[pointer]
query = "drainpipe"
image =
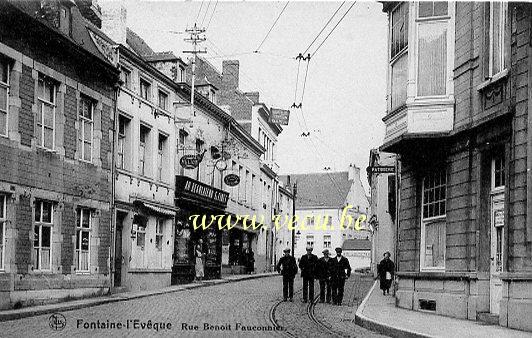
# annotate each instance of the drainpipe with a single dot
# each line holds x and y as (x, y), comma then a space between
(528, 233)
(112, 253)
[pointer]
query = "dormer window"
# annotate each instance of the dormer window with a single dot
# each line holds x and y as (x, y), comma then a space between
(212, 96)
(65, 20)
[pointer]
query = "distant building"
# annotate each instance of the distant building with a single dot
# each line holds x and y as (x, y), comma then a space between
(382, 214)
(321, 199)
(358, 252)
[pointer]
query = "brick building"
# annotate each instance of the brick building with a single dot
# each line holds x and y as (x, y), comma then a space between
(56, 116)
(458, 119)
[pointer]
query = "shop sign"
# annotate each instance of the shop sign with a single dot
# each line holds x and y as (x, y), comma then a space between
(231, 180)
(382, 169)
(499, 218)
(189, 161)
(279, 116)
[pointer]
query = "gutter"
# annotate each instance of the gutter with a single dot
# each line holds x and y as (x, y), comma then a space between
(528, 232)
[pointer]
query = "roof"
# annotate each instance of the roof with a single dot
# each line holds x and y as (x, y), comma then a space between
(137, 44)
(356, 244)
(326, 190)
(161, 56)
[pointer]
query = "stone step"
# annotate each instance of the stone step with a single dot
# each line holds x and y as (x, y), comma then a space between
(118, 289)
(488, 318)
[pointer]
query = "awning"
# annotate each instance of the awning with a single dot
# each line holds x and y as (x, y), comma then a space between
(165, 211)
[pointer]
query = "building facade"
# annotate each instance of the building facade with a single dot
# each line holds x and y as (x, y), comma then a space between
(56, 132)
(458, 120)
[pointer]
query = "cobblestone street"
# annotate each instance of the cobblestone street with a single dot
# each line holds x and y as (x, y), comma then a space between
(248, 303)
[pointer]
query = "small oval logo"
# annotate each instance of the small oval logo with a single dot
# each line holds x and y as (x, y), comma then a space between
(189, 161)
(57, 322)
(231, 180)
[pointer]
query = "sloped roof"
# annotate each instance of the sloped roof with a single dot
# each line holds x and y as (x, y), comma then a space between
(321, 190)
(160, 56)
(137, 44)
(356, 244)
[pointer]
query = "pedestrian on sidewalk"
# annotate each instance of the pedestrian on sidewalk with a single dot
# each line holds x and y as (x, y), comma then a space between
(385, 270)
(287, 267)
(250, 261)
(340, 271)
(324, 276)
(198, 253)
(307, 264)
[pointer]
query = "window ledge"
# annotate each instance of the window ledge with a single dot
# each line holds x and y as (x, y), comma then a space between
(499, 77)
(149, 270)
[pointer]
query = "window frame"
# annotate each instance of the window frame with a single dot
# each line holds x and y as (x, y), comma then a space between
(503, 11)
(160, 154)
(83, 120)
(142, 149)
(127, 79)
(430, 220)
(142, 81)
(3, 222)
(47, 81)
(81, 229)
(37, 264)
(309, 239)
(121, 142)
(159, 234)
(5, 63)
(327, 244)
(166, 97)
(493, 171)
(393, 57)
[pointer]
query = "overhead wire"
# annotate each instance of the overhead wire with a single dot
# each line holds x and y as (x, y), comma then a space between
(206, 11)
(213, 11)
(321, 31)
(273, 25)
(197, 16)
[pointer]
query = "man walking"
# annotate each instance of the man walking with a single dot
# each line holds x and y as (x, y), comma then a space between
(340, 271)
(287, 267)
(324, 276)
(307, 264)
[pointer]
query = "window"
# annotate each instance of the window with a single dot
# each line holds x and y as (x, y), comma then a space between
(399, 33)
(310, 241)
(181, 148)
(432, 49)
(213, 96)
(160, 155)
(182, 74)
(144, 134)
(159, 230)
(145, 89)
(65, 20)
(125, 77)
(496, 18)
(46, 115)
(83, 233)
(85, 132)
(498, 178)
(123, 125)
(42, 239)
(163, 100)
(3, 219)
(199, 151)
(433, 220)
(326, 241)
(4, 96)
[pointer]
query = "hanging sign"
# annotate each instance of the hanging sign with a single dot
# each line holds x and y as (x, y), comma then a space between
(279, 116)
(232, 180)
(382, 169)
(189, 161)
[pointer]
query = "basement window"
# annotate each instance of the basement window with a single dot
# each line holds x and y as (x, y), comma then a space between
(428, 305)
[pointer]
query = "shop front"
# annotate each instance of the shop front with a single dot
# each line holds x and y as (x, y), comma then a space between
(238, 250)
(196, 198)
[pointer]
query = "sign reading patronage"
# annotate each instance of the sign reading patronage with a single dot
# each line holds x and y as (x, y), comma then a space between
(189, 161)
(232, 180)
(382, 169)
(279, 116)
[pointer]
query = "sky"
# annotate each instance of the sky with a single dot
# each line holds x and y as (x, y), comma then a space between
(344, 98)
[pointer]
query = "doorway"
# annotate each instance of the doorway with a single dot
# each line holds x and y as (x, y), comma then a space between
(497, 220)
(120, 216)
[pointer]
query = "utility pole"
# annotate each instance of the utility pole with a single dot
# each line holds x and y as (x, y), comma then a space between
(294, 193)
(195, 38)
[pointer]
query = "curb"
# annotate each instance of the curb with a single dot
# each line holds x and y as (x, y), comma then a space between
(79, 304)
(373, 325)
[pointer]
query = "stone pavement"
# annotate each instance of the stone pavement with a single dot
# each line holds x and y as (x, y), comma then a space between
(87, 302)
(379, 313)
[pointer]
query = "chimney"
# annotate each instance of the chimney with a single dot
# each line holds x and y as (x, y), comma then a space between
(253, 96)
(114, 20)
(90, 9)
(230, 74)
(353, 172)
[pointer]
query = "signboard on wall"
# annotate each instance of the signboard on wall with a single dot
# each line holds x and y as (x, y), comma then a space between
(279, 116)
(231, 180)
(382, 169)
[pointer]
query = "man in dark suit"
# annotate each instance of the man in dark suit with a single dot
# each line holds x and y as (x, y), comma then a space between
(324, 276)
(340, 270)
(307, 264)
(287, 267)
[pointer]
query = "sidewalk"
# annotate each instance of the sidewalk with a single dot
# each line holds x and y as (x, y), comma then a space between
(378, 313)
(119, 297)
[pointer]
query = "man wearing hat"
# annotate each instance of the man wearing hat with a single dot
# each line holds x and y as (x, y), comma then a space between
(287, 267)
(307, 264)
(340, 271)
(324, 276)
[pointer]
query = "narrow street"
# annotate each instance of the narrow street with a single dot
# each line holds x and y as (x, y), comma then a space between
(231, 308)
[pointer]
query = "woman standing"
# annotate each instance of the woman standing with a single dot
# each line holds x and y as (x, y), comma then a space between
(250, 261)
(198, 253)
(386, 270)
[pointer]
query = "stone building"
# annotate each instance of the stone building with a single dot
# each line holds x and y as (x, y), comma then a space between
(458, 119)
(57, 88)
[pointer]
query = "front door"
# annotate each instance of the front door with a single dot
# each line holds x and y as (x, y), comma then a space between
(497, 234)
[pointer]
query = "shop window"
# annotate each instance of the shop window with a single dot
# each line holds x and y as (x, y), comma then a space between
(3, 220)
(496, 13)
(433, 221)
(4, 96)
(125, 77)
(86, 128)
(45, 133)
(326, 241)
(42, 239)
(83, 234)
(123, 128)
(145, 89)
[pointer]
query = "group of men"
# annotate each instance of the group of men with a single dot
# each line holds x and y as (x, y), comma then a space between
(330, 272)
